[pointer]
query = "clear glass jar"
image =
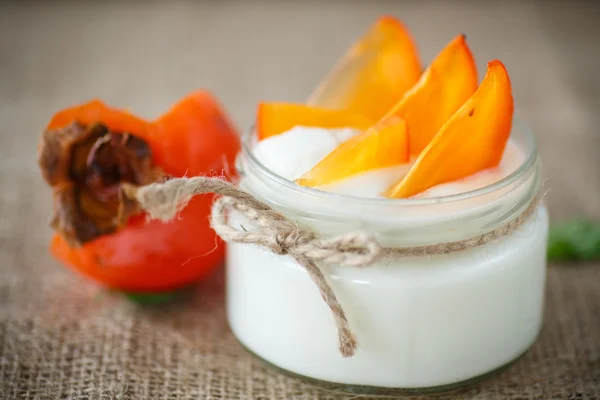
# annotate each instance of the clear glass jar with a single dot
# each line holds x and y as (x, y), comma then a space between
(423, 323)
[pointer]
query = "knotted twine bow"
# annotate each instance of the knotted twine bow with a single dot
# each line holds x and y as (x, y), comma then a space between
(163, 201)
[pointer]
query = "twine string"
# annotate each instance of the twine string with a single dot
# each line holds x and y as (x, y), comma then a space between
(163, 201)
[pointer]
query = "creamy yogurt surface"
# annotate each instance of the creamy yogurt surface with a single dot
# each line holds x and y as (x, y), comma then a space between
(295, 152)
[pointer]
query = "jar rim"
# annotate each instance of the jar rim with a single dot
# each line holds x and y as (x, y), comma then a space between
(519, 125)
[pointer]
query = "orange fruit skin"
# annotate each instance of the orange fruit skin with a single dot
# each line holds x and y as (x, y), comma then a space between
(444, 86)
(383, 145)
(275, 118)
(193, 138)
(472, 140)
(373, 74)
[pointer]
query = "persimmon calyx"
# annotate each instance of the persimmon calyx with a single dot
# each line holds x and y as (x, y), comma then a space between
(85, 166)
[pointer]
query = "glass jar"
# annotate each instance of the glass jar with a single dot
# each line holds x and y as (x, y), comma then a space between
(426, 323)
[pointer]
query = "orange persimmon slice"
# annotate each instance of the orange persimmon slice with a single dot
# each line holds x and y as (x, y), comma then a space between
(383, 145)
(275, 118)
(472, 140)
(374, 74)
(444, 86)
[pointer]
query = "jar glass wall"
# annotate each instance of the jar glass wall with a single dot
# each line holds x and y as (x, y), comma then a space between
(423, 323)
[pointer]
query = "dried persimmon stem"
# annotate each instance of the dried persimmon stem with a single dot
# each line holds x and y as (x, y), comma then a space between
(86, 166)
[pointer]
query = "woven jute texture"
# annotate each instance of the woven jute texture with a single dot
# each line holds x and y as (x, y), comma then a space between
(78, 343)
(62, 337)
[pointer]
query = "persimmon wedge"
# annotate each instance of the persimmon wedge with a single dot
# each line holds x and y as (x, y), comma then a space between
(373, 74)
(383, 145)
(444, 86)
(472, 140)
(275, 118)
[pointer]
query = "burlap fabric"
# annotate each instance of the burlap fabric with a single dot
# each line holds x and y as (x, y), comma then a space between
(75, 342)
(63, 338)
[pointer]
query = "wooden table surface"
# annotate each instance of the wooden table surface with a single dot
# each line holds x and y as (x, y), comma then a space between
(144, 55)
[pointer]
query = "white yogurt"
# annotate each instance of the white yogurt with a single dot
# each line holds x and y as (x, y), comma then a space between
(421, 322)
(296, 151)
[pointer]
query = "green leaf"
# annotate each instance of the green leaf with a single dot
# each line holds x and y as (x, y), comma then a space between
(576, 240)
(152, 298)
